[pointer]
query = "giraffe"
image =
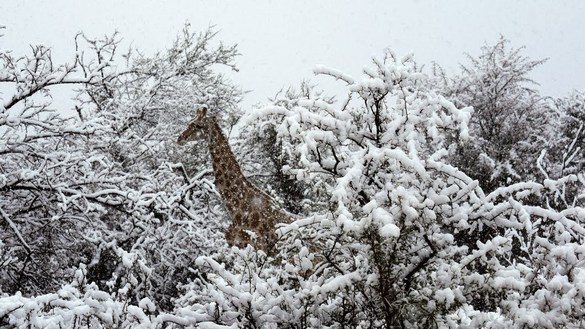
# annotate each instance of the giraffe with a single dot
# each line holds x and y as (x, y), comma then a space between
(250, 209)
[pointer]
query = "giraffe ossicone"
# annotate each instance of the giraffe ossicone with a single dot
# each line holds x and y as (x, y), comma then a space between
(250, 209)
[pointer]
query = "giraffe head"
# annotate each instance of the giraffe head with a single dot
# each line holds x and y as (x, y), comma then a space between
(197, 129)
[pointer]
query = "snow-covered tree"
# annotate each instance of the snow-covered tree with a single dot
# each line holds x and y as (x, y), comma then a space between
(147, 105)
(53, 188)
(564, 156)
(573, 133)
(511, 122)
(410, 240)
(103, 184)
(264, 157)
(107, 223)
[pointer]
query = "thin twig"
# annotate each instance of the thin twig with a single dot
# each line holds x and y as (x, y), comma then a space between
(16, 231)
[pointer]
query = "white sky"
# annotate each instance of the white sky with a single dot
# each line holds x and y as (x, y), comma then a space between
(281, 42)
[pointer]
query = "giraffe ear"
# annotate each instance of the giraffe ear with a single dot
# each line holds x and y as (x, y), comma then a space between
(201, 113)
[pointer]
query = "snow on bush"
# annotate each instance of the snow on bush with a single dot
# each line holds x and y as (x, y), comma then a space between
(397, 236)
(409, 240)
(83, 305)
(103, 184)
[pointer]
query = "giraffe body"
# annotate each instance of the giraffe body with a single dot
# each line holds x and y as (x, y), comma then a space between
(250, 209)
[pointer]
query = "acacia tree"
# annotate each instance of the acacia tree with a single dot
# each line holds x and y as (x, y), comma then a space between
(147, 106)
(410, 240)
(407, 240)
(511, 122)
(103, 186)
(49, 179)
(564, 156)
(572, 138)
(264, 156)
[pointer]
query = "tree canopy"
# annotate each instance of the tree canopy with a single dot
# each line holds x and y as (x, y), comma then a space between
(421, 200)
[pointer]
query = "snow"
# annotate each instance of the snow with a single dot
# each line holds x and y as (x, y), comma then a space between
(336, 283)
(390, 230)
(445, 296)
(383, 207)
(147, 305)
(320, 69)
(508, 279)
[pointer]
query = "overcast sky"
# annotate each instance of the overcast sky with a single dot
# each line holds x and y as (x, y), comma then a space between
(281, 42)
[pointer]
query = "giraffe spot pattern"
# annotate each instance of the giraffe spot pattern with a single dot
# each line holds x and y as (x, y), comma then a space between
(249, 208)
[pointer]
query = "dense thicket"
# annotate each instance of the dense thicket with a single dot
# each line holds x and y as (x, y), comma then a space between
(104, 185)
(511, 124)
(422, 201)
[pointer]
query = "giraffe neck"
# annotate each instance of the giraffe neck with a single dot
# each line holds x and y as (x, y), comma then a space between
(249, 208)
(229, 179)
